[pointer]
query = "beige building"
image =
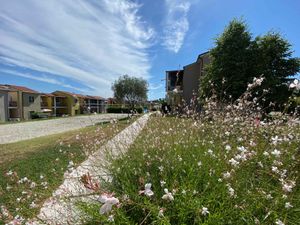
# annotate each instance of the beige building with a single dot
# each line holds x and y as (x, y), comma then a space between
(22, 102)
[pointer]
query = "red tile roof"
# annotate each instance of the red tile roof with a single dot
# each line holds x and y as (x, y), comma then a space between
(21, 88)
(47, 94)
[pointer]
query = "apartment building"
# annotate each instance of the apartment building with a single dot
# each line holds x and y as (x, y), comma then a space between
(182, 85)
(21, 102)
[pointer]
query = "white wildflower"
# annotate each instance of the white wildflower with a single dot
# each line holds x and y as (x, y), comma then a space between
(108, 203)
(148, 192)
(276, 153)
(279, 222)
(288, 205)
(204, 211)
(168, 195)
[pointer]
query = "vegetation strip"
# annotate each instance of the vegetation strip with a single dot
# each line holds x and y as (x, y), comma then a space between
(31, 170)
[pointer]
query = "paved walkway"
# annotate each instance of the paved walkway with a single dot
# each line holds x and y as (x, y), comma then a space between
(60, 208)
(10, 133)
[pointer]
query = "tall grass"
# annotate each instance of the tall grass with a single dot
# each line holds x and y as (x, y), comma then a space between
(215, 172)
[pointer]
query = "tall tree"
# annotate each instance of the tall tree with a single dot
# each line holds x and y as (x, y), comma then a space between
(130, 90)
(276, 64)
(231, 65)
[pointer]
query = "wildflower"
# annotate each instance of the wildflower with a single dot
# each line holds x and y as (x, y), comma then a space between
(161, 168)
(111, 218)
(162, 183)
(266, 154)
(148, 192)
(276, 153)
(161, 212)
(287, 187)
(275, 169)
(231, 191)
(233, 162)
(183, 192)
(204, 211)
(226, 175)
(288, 205)
(242, 149)
(279, 222)
(168, 195)
(108, 203)
(295, 84)
(199, 163)
(32, 205)
(9, 173)
(227, 148)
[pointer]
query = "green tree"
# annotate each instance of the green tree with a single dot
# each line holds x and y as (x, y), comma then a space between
(276, 64)
(236, 59)
(231, 64)
(130, 90)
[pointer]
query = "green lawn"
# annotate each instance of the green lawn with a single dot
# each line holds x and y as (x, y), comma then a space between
(38, 165)
(215, 172)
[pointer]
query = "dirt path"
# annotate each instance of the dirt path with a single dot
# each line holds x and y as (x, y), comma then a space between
(10, 133)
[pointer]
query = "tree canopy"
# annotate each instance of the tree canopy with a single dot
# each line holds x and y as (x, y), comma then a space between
(237, 58)
(130, 90)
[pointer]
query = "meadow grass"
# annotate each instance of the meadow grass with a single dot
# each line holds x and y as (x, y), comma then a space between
(205, 172)
(31, 170)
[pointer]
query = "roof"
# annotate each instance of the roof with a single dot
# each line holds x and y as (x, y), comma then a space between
(19, 88)
(202, 54)
(47, 94)
(80, 95)
(95, 97)
(66, 93)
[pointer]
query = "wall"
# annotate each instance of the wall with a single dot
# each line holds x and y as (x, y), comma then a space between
(30, 106)
(191, 81)
(3, 106)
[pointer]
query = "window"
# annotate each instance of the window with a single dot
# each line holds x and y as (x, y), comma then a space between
(31, 99)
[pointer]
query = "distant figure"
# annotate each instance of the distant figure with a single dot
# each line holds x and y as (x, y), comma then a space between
(165, 108)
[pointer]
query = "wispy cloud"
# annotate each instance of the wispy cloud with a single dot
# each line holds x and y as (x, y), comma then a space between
(176, 24)
(41, 77)
(91, 42)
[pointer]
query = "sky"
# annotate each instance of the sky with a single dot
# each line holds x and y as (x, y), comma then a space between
(83, 46)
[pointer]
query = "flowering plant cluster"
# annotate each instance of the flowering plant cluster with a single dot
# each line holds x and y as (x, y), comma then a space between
(230, 165)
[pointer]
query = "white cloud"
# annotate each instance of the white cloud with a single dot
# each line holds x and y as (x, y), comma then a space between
(43, 78)
(176, 24)
(90, 42)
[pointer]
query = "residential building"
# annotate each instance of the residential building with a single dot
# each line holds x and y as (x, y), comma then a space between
(184, 84)
(65, 103)
(22, 102)
(4, 104)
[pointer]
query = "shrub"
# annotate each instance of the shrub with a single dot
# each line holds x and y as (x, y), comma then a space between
(123, 110)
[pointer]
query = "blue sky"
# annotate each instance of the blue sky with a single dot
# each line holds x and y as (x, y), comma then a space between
(82, 46)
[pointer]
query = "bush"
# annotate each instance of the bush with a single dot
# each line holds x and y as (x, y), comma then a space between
(123, 110)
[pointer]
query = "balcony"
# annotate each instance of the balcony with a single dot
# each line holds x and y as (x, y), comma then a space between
(13, 104)
(44, 104)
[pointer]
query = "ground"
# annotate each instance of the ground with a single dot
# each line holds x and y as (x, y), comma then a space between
(10, 133)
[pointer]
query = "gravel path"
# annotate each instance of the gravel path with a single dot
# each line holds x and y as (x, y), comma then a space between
(10, 133)
(60, 208)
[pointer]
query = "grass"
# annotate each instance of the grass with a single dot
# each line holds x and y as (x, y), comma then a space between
(38, 165)
(194, 161)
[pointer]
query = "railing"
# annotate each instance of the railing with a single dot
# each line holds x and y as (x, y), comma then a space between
(44, 104)
(13, 104)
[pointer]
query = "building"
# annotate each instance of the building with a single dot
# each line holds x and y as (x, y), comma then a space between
(4, 114)
(23, 102)
(182, 85)
(67, 103)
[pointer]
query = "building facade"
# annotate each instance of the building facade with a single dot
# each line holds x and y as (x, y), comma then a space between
(183, 85)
